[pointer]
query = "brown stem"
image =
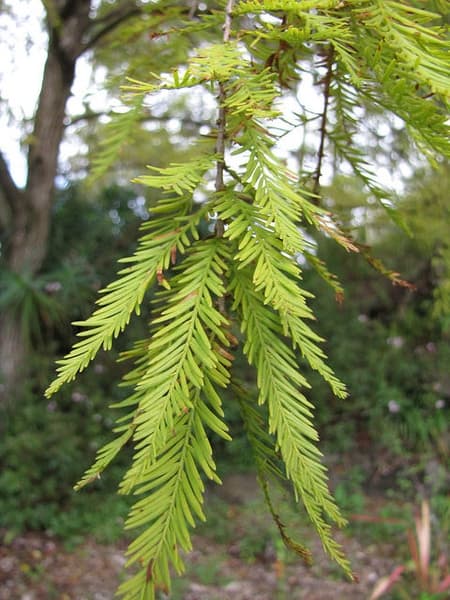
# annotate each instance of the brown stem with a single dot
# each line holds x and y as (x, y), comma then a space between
(323, 123)
(221, 134)
(222, 120)
(111, 21)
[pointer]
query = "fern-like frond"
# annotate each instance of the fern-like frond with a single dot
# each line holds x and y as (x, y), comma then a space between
(180, 350)
(174, 401)
(173, 498)
(278, 277)
(250, 96)
(216, 62)
(408, 58)
(124, 296)
(268, 181)
(290, 416)
(213, 62)
(408, 34)
(179, 177)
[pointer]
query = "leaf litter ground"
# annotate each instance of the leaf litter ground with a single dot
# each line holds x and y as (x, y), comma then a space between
(36, 566)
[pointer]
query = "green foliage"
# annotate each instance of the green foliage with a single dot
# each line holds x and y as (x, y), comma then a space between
(118, 130)
(398, 377)
(124, 296)
(67, 284)
(36, 486)
(399, 337)
(245, 273)
(26, 298)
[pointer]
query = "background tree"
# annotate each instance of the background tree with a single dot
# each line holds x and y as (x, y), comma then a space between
(73, 29)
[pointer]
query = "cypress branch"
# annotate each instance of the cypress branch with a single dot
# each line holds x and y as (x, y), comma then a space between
(386, 55)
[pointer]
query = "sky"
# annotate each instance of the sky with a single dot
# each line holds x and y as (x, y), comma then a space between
(23, 45)
(23, 50)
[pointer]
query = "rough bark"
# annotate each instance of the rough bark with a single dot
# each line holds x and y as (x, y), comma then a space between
(26, 212)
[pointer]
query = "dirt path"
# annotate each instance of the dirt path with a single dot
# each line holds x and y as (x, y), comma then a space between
(233, 559)
(35, 567)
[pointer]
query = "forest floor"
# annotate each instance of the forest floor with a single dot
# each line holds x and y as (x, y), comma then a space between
(235, 558)
(34, 567)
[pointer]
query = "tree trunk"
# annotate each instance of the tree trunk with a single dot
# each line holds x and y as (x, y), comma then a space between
(30, 208)
(12, 359)
(25, 214)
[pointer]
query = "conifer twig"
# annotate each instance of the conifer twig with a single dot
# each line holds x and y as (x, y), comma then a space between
(323, 123)
(221, 134)
(221, 120)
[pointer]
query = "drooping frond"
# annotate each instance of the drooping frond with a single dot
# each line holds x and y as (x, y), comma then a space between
(177, 401)
(124, 296)
(409, 59)
(275, 198)
(290, 417)
(277, 276)
(173, 498)
(408, 34)
(180, 350)
(250, 97)
(372, 54)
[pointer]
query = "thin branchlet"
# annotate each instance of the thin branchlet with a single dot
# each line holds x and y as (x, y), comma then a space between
(221, 135)
(323, 121)
(222, 120)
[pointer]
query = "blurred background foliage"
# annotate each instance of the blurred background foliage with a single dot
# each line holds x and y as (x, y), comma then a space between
(389, 344)
(44, 443)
